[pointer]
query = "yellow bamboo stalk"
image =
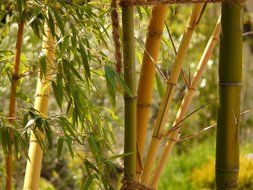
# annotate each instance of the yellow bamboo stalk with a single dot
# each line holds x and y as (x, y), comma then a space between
(172, 138)
(12, 107)
(170, 89)
(146, 81)
(35, 153)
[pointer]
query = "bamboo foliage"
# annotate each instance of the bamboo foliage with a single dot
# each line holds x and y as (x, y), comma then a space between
(145, 87)
(173, 136)
(170, 89)
(12, 107)
(35, 153)
(230, 78)
(130, 101)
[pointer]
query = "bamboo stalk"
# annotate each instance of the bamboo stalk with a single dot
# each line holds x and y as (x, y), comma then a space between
(12, 108)
(35, 153)
(146, 81)
(230, 76)
(172, 138)
(170, 89)
(130, 101)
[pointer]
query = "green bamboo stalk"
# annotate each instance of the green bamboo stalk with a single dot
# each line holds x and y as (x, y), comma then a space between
(170, 89)
(230, 76)
(130, 101)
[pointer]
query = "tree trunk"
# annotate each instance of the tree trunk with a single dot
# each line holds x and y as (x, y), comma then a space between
(230, 76)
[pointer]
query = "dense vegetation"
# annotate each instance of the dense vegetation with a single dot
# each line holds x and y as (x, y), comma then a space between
(68, 98)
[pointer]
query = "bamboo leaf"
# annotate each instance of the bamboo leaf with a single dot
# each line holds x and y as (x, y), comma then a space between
(51, 23)
(88, 182)
(159, 85)
(93, 145)
(111, 84)
(58, 92)
(83, 53)
(58, 19)
(59, 147)
(43, 65)
(124, 86)
(69, 144)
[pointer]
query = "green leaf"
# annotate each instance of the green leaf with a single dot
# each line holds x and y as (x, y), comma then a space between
(50, 22)
(83, 53)
(159, 85)
(58, 93)
(69, 143)
(23, 96)
(123, 85)
(59, 147)
(93, 145)
(58, 19)
(64, 45)
(88, 182)
(111, 84)
(43, 65)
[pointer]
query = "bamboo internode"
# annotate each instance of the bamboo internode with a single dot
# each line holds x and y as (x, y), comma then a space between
(35, 153)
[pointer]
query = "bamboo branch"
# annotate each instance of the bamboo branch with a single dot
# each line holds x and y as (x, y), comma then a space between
(33, 167)
(12, 108)
(170, 89)
(146, 81)
(186, 103)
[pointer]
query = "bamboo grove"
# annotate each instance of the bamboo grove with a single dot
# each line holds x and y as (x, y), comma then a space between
(73, 69)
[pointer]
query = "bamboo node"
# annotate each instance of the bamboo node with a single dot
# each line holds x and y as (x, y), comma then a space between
(230, 83)
(171, 83)
(158, 137)
(143, 106)
(192, 88)
(155, 33)
(42, 95)
(215, 38)
(227, 169)
(15, 77)
(190, 27)
(134, 185)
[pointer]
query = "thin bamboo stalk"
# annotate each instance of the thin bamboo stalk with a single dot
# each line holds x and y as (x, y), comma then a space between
(172, 138)
(230, 76)
(35, 153)
(170, 89)
(147, 75)
(130, 101)
(12, 108)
